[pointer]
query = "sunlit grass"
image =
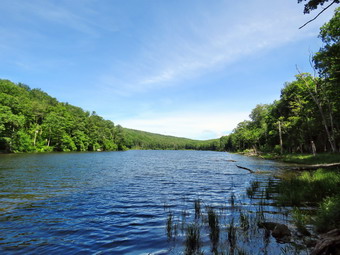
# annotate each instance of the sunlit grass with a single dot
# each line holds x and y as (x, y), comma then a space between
(308, 187)
(321, 158)
(320, 189)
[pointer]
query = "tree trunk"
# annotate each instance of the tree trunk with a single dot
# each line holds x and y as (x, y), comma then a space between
(330, 136)
(35, 137)
(280, 135)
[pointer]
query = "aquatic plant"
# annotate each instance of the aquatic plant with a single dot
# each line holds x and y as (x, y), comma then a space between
(192, 241)
(244, 221)
(251, 190)
(197, 208)
(169, 225)
(232, 200)
(231, 230)
(214, 228)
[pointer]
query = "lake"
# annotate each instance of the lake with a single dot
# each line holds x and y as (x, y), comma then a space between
(119, 202)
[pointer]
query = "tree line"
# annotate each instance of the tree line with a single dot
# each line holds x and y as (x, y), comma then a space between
(306, 118)
(33, 121)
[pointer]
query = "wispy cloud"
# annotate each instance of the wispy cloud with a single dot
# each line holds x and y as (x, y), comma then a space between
(201, 41)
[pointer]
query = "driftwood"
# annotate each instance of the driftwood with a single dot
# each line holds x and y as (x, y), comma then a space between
(231, 160)
(252, 171)
(328, 244)
(314, 167)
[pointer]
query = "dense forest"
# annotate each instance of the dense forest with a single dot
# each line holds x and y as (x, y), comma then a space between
(33, 121)
(306, 118)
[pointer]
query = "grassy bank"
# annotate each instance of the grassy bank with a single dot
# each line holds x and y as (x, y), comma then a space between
(317, 190)
(308, 159)
(322, 158)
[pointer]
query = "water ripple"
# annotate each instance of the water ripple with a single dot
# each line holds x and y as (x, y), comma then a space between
(110, 202)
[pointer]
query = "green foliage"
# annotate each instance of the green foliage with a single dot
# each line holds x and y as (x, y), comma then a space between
(314, 4)
(32, 121)
(328, 215)
(21, 142)
(319, 188)
(322, 158)
(308, 187)
(144, 140)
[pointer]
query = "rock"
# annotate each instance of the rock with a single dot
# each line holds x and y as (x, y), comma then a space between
(279, 231)
(303, 230)
(329, 244)
(267, 225)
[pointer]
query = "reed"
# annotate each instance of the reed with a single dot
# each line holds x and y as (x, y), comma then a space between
(251, 190)
(192, 241)
(197, 208)
(232, 200)
(213, 227)
(244, 221)
(169, 226)
(232, 237)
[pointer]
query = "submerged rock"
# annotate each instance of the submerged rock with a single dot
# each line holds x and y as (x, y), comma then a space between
(279, 231)
(329, 244)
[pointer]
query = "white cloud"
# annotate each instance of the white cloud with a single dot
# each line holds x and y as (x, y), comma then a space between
(205, 40)
(195, 125)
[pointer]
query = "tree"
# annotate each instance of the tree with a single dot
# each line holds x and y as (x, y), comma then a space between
(314, 4)
(327, 60)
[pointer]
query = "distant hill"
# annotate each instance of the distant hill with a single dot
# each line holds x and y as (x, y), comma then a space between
(146, 140)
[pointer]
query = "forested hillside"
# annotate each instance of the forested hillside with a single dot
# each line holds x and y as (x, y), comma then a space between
(33, 121)
(306, 118)
(145, 140)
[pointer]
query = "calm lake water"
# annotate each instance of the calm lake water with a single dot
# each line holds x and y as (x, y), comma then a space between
(115, 202)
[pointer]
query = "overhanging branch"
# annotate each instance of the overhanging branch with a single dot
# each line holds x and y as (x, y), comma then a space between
(335, 1)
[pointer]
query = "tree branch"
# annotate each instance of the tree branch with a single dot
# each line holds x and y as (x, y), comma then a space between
(318, 14)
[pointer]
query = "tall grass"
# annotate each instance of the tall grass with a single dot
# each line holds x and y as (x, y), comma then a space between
(321, 189)
(308, 187)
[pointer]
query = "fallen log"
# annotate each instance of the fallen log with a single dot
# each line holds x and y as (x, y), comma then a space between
(245, 168)
(231, 160)
(328, 244)
(315, 167)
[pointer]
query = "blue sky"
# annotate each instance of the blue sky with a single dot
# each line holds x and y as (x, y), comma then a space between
(189, 68)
